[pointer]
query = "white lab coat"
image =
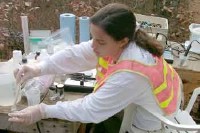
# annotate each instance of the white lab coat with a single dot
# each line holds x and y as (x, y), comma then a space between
(120, 90)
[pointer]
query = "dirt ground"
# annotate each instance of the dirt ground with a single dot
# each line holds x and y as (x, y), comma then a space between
(194, 6)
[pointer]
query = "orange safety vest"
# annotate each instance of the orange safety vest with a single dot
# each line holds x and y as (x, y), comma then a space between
(162, 77)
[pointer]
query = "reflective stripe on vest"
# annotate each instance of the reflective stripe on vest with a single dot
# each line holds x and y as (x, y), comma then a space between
(162, 77)
(102, 67)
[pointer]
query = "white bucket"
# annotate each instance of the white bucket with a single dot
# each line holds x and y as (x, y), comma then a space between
(195, 35)
(194, 31)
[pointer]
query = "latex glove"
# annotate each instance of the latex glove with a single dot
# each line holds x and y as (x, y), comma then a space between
(28, 115)
(26, 72)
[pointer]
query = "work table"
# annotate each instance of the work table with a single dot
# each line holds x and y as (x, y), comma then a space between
(46, 125)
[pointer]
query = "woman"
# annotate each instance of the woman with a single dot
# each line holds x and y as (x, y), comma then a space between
(129, 68)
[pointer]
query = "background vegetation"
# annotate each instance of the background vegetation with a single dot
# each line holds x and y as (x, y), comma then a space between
(44, 14)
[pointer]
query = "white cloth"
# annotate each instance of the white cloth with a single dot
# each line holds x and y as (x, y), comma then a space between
(119, 90)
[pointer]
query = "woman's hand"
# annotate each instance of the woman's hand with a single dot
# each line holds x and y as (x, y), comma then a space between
(28, 115)
(26, 72)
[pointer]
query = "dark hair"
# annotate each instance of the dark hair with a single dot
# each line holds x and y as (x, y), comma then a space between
(118, 21)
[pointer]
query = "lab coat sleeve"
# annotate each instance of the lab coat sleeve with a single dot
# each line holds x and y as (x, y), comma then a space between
(112, 97)
(73, 59)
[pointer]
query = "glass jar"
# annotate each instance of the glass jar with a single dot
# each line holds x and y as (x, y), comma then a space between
(53, 93)
(60, 91)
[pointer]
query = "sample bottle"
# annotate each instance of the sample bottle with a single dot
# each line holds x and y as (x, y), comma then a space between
(46, 80)
(37, 54)
(29, 83)
(53, 93)
(17, 57)
(60, 91)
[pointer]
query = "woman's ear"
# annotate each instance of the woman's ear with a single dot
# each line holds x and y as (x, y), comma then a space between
(124, 42)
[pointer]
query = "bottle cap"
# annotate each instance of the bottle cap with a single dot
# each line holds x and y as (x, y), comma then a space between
(60, 86)
(37, 53)
(52, 88)
(24, 60)
(55, 84)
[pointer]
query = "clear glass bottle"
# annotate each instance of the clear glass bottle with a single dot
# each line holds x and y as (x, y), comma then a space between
(53, 95)
(60, 91)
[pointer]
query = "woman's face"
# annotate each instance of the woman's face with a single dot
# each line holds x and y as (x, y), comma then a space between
(103, 44)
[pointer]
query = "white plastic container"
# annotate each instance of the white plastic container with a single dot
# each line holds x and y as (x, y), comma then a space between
(194, 31)
(7, 89)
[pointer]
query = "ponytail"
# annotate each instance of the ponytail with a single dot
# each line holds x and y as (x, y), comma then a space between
(148, 43)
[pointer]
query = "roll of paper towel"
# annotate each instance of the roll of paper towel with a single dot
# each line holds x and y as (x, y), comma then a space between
(68, 20)
(84, 32)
